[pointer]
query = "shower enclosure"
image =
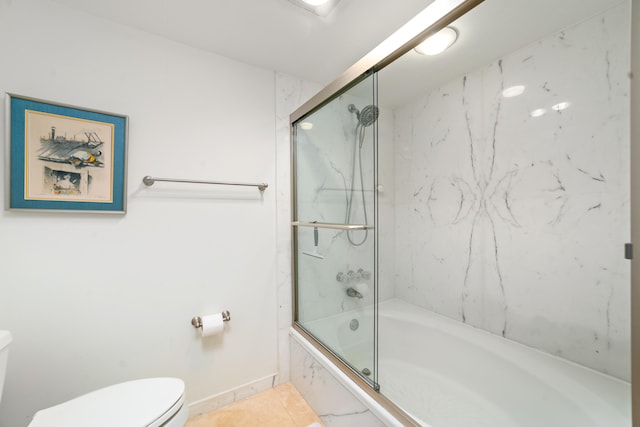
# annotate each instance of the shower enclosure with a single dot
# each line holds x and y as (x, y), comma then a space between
(459, 221)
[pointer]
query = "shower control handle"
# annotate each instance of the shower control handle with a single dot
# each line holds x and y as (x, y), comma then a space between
(364, 274)
(346, 277)
(351, 276)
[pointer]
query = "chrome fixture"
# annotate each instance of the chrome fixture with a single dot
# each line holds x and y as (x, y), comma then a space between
(363, 274)
(366, 118)
(350, 276)
(315, 253)
(353, 293)
(197, 320)
(149, 181)
(331, 225)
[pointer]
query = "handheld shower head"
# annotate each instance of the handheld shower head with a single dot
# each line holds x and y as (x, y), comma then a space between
(367, 116)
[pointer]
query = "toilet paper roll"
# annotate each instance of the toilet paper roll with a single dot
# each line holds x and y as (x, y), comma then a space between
(212, 325)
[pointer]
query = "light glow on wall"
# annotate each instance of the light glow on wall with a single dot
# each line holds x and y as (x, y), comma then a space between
(512, 91)
(538, 112)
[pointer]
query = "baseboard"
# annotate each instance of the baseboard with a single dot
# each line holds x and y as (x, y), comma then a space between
(220, 400)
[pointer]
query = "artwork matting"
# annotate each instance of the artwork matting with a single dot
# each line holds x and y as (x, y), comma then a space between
(64, 158)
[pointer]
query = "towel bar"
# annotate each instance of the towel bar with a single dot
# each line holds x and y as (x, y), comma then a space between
(148, 180)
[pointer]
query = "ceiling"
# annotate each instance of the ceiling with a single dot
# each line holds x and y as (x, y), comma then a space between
(279, 35)
(274, 34)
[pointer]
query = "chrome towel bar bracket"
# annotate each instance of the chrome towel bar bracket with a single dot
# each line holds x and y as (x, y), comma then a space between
(149, 181)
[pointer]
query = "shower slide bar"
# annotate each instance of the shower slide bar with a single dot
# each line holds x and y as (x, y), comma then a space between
(333, 226)
(148, 180)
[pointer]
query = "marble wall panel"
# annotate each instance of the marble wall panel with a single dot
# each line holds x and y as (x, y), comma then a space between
(515, 222)
(336, 405)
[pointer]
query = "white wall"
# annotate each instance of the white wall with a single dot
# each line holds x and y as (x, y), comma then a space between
(96, 299)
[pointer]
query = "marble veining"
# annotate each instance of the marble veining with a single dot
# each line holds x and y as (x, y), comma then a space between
(482, 215)
(335, 405)
(512, 212)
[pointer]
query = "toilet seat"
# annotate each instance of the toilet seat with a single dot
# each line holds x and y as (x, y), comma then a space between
(141, 403)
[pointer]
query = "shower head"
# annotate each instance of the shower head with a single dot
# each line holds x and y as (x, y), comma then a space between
(367, 116)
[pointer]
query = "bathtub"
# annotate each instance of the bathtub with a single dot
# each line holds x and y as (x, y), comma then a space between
(447, 374)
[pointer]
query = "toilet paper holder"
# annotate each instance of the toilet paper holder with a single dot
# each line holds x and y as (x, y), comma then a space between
(197, 320)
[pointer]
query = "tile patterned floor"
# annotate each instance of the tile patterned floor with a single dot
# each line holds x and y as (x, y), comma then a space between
(282, 406)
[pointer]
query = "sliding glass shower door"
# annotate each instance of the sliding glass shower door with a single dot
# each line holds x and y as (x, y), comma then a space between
(334, 149)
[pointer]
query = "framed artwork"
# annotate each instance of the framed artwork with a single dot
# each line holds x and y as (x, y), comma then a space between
(65, 158)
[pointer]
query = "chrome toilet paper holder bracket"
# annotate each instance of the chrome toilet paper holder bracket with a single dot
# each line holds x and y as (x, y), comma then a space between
(197, 320)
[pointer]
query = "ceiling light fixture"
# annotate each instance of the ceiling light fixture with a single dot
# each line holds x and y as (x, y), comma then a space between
(318, 7)
(438, 43)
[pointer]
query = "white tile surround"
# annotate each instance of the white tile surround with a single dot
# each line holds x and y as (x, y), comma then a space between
(290, 94)
(516, 224)
(319, 384)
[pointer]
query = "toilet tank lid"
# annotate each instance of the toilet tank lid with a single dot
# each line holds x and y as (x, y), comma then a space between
(5, 339)
(134, 403)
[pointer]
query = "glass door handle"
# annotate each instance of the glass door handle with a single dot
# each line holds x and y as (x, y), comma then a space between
(332, 225)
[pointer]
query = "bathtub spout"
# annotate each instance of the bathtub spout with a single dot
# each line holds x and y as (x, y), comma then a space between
(353, 293)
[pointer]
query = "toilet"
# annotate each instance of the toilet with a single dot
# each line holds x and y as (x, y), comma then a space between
(149, 402)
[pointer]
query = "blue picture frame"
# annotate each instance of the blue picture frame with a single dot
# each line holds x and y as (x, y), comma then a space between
(65, 158)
